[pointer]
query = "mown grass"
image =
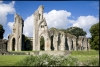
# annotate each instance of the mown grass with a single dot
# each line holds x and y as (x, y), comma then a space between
(88, 52)
(85, 55)
(10, 60)
(88, 58)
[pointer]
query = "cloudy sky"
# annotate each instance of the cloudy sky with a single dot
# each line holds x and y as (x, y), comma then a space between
(61, 14)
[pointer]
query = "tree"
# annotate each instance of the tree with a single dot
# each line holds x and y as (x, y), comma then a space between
(27, 42)
(53, 29)
(94, 40)
(1, 31)
(72, 30)
(42, 43)
(76, 31)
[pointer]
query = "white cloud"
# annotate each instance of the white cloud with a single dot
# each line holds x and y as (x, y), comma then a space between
(86, 22)
(28, 26)
(1, 1)
(6, 9)
(54, 18)
(88, 34)
(10, 24)
(58, 19)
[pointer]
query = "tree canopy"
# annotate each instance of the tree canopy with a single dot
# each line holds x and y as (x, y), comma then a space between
(74, 31)
(1, 31)
(94, 40)
(27, 42)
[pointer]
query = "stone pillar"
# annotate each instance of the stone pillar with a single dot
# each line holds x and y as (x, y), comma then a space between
(47, 44)
(34, 32)
(17, 31)
(80, 42)
(55, 41)
(85, 43)
(20, 33)
(69, 41)
(8, 48)
(88, 48)
(74, 42)
(62, 45)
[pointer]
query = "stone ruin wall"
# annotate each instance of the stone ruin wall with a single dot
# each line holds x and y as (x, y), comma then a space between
(15, 39)
(59, 41)
(54, 40)
(3, 46)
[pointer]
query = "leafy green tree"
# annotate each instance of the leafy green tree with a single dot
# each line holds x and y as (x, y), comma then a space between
(1, 31)
(54, 29)
(72, 30)
(94, 40)
(27, 43)
(76, 31)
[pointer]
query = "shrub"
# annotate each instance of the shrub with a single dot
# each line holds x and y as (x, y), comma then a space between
(53, 60)
(48, 60)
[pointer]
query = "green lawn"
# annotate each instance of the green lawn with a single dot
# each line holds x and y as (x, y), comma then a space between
(85, 57)
(9, 60)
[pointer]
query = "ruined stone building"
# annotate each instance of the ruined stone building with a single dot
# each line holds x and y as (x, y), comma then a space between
(15, 39)
(40, 30)
(3, 46)
(54, 40)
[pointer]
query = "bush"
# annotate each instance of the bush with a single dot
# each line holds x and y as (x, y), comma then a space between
(48, 60)
(52, 60)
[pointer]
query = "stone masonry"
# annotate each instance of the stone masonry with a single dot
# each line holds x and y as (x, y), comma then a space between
(54, 40)
(15, 39)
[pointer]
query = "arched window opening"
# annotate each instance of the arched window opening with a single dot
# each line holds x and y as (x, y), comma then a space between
(52, 47)
(13, 44)
(42, 43)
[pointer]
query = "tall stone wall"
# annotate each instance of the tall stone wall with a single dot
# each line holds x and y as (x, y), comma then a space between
(71, 41)
(15, 39)
(53, 39)
(83, 43)
(3, 46)
(40, 29)
(62, 41)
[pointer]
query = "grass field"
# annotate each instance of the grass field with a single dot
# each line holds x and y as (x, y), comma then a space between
(82, 58)
(10, 60)
(85, 55)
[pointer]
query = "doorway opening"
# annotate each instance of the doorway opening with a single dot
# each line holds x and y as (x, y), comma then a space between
(13, 44)
(42, 43)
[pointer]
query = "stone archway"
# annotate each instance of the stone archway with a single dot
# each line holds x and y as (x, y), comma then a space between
(42, 43)
(13, 44)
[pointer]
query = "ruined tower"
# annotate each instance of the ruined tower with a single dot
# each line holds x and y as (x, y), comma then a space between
(40, 30)
(15, 39)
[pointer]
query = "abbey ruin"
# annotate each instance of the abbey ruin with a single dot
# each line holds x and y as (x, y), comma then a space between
(53, 40)
(15, 39)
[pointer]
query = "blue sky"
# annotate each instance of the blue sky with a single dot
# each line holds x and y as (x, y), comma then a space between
(59, 14)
